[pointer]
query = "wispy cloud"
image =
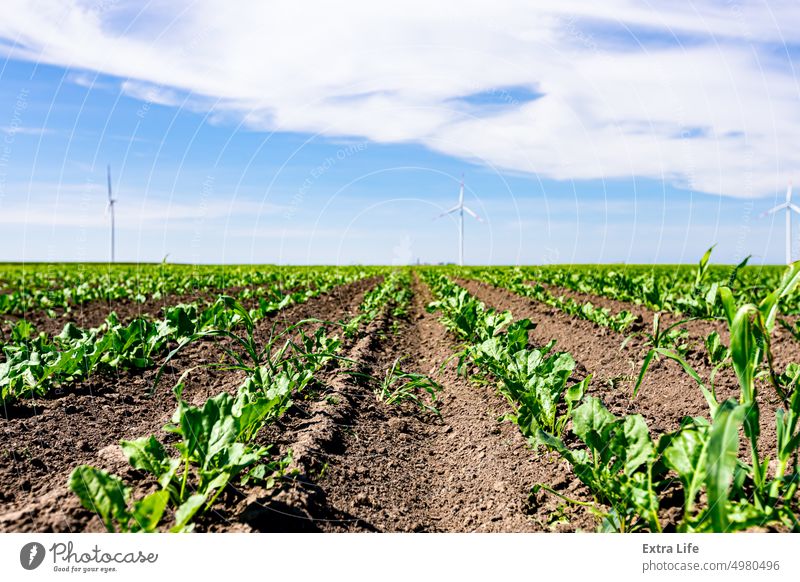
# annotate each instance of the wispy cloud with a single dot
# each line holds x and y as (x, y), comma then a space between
(23, 130)
(689, 93)
(84, 206)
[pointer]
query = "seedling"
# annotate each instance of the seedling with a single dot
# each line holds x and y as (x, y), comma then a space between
(401, 386)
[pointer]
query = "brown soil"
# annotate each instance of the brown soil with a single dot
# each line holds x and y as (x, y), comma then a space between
(358, 464)
(44, 441)
(402, 470)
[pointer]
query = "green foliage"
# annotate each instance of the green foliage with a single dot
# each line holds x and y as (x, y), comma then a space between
(616, 463)
(740, 495)
(401, 386)
(716, 351)
(108, 496)
(534, 381)
(515, 280)
(394, 293)
(212, 445)
(35, 365)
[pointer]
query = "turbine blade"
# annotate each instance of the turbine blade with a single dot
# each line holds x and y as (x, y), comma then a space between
(453, 209)
(795, 208)
(472, 213)
(774, 210)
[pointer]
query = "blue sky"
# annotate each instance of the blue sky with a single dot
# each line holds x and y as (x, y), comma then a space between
(597, 134)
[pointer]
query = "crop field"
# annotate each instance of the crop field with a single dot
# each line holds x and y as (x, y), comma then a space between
(141, 398)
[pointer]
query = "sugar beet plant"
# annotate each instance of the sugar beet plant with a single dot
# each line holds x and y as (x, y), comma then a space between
(216, 441)
(216, 444)
(534, 381)
(35, 364)
(675, 289)
(53, 286)
(632, 476)
(394, 291)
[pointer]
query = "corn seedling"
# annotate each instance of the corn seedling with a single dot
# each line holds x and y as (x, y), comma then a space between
(401, 386)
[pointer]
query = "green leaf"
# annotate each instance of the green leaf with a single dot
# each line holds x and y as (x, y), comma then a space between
(686, 455)
(147, 512)
(147, 454)
(188, 509)
(633, 443)
(721, 459)
(769, 306)
(103, 493)
(592, 423)
(645, 365)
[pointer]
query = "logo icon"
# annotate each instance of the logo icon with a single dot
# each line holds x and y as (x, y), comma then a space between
(31, 555)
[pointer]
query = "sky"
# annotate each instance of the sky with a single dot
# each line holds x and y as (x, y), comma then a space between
(334, 133)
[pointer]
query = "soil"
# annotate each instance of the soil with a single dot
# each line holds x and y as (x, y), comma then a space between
(785, 347)
(364, 466)
(358, 465)
(397, 468)
(44, 440)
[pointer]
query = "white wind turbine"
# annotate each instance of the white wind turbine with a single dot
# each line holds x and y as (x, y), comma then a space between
(110, 209)
(789, 207)
(461, 209)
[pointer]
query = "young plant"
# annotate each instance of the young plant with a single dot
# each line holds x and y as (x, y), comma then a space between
(400, 386)
(616, 463)
(662, 343)
(770, 499)
(534, 381)
(294, 360)
(716, 351)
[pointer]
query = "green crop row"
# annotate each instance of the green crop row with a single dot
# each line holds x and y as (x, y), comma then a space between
(46, 287)
(681, 289)
(395, 291)
(217, 443)
(516, 281)
(36, 364)
(632, 475)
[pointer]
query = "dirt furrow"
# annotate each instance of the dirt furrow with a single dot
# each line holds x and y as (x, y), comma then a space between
(43, 443)
(400, 469)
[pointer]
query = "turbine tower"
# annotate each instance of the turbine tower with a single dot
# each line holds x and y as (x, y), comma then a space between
(110, 209)
(789, 207)
(461, 209)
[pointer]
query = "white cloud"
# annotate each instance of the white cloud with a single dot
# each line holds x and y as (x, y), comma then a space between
(84, 206)
(394, 72)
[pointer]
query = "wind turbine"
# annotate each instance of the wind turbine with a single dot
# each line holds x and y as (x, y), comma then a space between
(110, 208)
(789, 207)
(461, 209)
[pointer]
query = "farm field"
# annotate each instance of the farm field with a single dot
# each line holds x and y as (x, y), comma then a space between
(441, 399)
